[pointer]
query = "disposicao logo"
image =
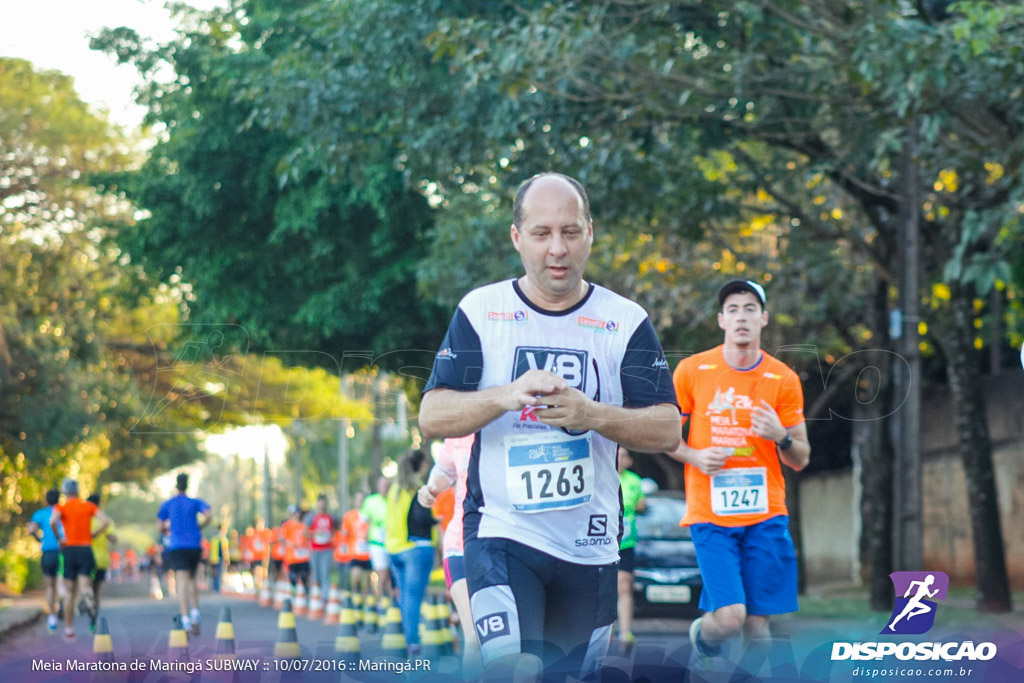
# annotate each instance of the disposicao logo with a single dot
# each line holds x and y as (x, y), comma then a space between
(916, 593)
(912, 614)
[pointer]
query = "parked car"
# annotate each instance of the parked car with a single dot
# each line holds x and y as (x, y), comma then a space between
(666, 580)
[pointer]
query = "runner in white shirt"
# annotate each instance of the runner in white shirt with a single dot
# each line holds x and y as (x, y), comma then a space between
(548, 372)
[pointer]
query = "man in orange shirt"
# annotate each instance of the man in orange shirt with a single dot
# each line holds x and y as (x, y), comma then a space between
(354, 541)
(277, 548)
(746, 417)
(76, 517)
(297, 550)
(131, 563)
(260, 542)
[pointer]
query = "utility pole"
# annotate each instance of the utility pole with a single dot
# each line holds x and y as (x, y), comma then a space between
(344, 425)
(907, 506)
(299, 443)
(376, 442)
(268, 505)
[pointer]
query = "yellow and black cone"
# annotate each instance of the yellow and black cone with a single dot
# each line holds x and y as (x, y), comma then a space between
(225, 636)
(102, 645)
(444, 613)
(346, 644)
(382, 612)
(392, 643)
(435, 642)
(370, 617)
(287, 645)
(177, 642)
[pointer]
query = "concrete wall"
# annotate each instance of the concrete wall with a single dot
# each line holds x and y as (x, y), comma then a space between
(829, 509)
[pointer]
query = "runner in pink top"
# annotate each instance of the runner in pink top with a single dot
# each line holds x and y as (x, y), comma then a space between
(450, 468)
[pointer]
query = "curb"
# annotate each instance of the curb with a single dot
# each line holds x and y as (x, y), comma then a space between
(14, 618)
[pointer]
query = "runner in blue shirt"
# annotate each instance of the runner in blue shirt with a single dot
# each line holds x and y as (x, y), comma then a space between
(40, 522)
(183, 517)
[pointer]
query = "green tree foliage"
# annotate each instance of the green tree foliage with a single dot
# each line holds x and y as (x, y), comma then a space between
(272, 231)
(821, 95)
(68, 402)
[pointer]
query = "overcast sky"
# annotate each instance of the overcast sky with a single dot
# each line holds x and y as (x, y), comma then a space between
(54, 34)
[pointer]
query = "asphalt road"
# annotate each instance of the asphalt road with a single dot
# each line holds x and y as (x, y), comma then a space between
(140, 628)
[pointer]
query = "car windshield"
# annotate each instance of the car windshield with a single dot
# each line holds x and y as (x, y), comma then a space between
(661, 520)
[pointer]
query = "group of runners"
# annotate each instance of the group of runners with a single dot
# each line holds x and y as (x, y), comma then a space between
(550, 378)
(75, 536)
(541, 389)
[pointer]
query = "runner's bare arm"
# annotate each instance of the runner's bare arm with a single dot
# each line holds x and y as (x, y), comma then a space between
(55, 525)
(436, 483)
(707, 460)
(765, 423)
(798, 455)
(446, 413)
(105, 521)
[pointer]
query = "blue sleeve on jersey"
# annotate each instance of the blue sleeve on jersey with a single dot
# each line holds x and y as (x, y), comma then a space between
(646, 379)
(459, 364)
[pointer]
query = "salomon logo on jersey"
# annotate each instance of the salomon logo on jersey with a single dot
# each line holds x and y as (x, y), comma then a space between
(492, 626)
(569, 364)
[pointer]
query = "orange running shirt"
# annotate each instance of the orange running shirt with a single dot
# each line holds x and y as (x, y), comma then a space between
(277, 547)
(340, 545)
(261, 540)
(297, 548)
(356, 529)
(76, 516)
(444, 507)
(718, 400)
(246, 542)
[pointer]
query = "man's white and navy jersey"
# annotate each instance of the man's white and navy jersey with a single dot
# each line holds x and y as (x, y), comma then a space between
(546, 487)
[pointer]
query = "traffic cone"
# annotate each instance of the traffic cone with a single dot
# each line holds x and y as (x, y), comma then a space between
(370, 615)
(316, 603)
(300, 603)
(382, 612)
(392, 643)
(225, 636)
(333, 611)
(266, 594)
(177, 642)
(102, 645)
(346, 644)
(281, 594)
(435, 643)
(249, 582)
(444, 613)
(287, 645)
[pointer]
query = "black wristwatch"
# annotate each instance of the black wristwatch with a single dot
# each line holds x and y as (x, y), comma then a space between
(785, 443)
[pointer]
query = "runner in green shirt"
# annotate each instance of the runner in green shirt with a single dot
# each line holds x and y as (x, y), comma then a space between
(632, 502)
(375, 510)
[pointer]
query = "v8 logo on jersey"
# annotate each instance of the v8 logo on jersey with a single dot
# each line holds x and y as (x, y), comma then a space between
(492, 626)
(569, 364)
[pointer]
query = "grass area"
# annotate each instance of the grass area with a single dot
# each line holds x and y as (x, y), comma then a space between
(851, 603)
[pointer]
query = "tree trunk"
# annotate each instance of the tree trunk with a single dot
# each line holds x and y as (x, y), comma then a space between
(873, 445)
(376, 443)
(965, 381)
(793, 505)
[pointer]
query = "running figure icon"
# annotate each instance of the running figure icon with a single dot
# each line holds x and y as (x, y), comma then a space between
(915, 606)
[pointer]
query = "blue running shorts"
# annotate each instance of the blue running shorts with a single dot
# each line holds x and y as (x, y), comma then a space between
(747, 565)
